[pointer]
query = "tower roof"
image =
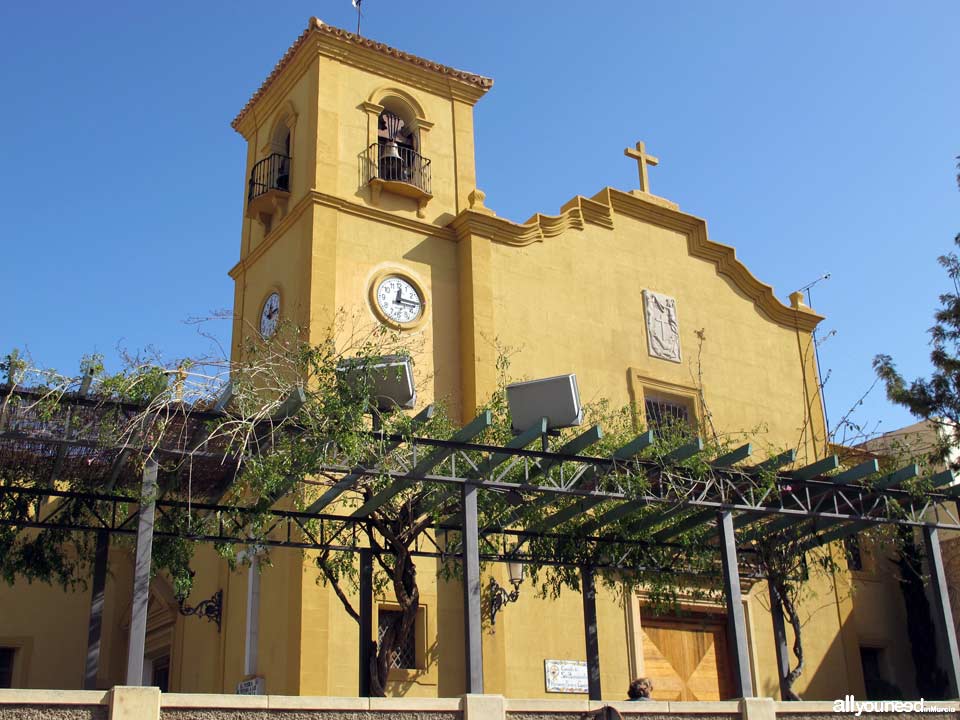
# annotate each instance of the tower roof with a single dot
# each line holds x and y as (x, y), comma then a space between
(315, 25)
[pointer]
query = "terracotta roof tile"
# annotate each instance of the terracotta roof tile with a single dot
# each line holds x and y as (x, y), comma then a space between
(315, 24)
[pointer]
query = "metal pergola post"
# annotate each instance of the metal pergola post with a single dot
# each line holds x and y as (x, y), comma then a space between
(366, 619)
(943, 615)
(472, 639)
(589, 591)
(780, 640)
(141, 574)
(736, 625)
(97, 593)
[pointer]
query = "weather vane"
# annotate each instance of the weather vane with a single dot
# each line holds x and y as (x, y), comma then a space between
(356, 4)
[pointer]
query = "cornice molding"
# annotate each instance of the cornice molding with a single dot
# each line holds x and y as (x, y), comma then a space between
(298, 60)
(368, 54)
(382, 216)
(573, 216)
(347, 206)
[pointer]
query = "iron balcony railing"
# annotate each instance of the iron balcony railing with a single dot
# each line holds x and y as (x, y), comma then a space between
(271, 173)
(397, 163)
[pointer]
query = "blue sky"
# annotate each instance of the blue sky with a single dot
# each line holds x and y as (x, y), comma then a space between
(814, 137)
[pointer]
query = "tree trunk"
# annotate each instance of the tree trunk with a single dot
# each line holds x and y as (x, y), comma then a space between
(398, 633)
(790, 611)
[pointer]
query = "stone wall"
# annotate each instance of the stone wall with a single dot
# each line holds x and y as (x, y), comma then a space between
(54, 705)
(134, 703)
(52, 712)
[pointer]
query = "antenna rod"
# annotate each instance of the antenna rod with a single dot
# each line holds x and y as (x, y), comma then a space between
(356, 4)
(816, 354)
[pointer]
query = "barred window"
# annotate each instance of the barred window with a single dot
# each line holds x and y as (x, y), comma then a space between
(405, 656)
(6, 666)
(854, 554)
(664, 412)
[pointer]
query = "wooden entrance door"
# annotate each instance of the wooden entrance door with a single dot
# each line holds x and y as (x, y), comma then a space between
(686, 658)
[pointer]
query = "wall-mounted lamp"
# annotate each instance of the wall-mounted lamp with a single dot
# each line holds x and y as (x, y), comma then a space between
(499, 597)
(211, 609)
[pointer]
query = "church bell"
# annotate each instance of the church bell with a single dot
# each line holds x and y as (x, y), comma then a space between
(390, 151)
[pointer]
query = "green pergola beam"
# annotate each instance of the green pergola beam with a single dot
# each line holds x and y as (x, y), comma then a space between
(518, 442)
(652, 519)
(894, 479)
(942, 478)
(887, 481)
(818, 468)
(348, 480)
(632, 448)
(858, 472)
(568, 513)
(580, 443)
(777, 461)
(835, 534)
(626, 452)
(804, 473)
(684, 452)
(614, 514)
(691, 521)
(464, 435)
(732, 457)
(937, 480)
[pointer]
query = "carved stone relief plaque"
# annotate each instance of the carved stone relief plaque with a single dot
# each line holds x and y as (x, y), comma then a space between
(663, 329)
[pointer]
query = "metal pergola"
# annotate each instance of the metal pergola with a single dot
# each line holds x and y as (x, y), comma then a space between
(50, 440)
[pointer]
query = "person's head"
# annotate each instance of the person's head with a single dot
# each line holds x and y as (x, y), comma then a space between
(641, 687)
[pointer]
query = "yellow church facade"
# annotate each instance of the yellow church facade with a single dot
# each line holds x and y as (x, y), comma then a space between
(362, 201)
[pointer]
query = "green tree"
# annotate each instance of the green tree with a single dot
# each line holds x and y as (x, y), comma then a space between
(936, 398)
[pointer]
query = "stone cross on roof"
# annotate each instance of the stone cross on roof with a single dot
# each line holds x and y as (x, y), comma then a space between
(640, 155)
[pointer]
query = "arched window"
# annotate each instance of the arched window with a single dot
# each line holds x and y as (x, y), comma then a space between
(393, 160)
(280, 144)
(397, 147)
(269, 185)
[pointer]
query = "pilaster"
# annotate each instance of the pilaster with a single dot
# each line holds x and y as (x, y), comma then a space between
(478, 355)
(464, 158)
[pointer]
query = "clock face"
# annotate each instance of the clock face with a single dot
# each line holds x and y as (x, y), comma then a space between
(270, 315)
(399, 300)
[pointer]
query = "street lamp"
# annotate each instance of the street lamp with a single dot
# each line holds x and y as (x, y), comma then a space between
(499, 597)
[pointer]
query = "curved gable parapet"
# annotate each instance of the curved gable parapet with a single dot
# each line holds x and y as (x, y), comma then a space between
(600, 210)
(573, 215)
(723, 256)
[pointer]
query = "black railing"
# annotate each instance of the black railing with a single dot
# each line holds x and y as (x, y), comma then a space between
(393, 162)
(271, 173)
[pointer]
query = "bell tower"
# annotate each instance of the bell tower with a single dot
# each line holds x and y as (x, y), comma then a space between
(358, 158)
